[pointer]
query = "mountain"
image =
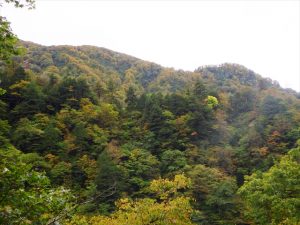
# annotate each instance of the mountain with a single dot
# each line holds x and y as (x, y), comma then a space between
(95, 120)
(104, 64)
(242, 93)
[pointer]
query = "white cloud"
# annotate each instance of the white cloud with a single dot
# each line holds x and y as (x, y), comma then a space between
(262, 35)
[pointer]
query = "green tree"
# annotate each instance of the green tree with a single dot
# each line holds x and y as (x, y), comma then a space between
(8, 40)
(131, 98)
(172, 161)
(2, 91)
(212, 101)
(214, 193)
(4, 125)
(26, 195)
(27, 135)
(141, 167)
(33, 101)
(109, 176)
(200, 90)
(4, 133)
(168, 207)
(61, 173)
(273, 197)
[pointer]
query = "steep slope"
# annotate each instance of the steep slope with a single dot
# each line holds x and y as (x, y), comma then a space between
(96, 120)
(107, 64)
(102, 63)
(248, 103)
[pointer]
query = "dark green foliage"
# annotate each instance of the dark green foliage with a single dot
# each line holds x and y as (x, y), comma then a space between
(214, 192)
(177, 104)
(4, 133)
(131, 98)
(27, 136)
(26, 195)
(200, 91)
(141, 167)
(109, 176)
(69, 92)
(172, 161)
(105, 125)
(273, 197)
(61, 172)
(33, 101)
(8, 41)
(272, 106)
(242, 102)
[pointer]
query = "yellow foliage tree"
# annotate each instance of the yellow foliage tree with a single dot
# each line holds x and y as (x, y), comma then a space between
(170, 207)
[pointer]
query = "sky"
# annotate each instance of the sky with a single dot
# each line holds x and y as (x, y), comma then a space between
(262, 35)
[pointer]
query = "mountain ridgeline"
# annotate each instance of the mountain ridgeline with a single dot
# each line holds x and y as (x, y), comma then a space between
(118, 140)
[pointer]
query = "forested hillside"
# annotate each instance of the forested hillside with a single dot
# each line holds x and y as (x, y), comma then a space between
(90, 136)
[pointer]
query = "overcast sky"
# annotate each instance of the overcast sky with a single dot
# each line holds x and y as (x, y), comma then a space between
(261, 35)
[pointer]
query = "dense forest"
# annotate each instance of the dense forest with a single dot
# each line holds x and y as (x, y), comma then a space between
(89, 136)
